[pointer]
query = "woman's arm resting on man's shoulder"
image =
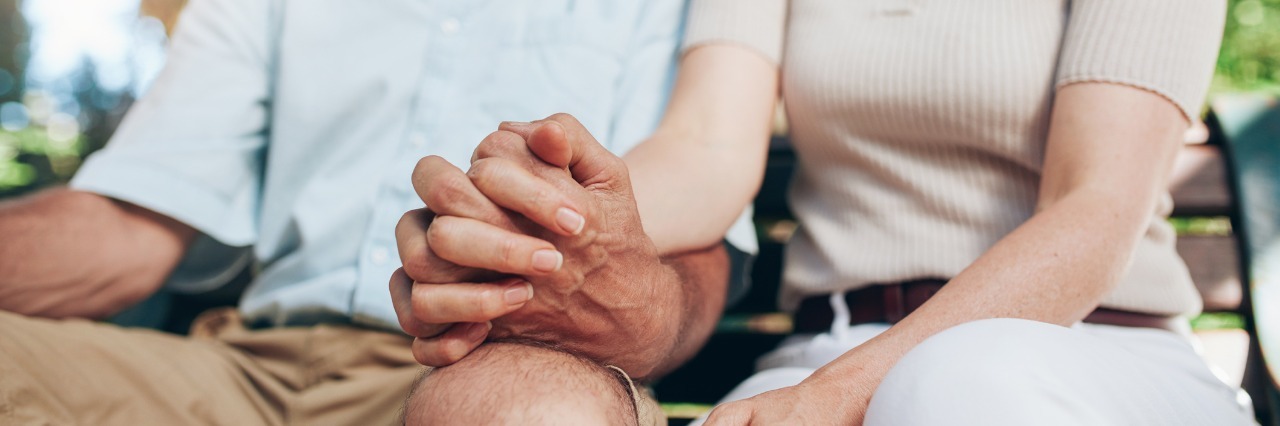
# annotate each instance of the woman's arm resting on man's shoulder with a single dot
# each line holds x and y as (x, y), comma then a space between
(67, 253)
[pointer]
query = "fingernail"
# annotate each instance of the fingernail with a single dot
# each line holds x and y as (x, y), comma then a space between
(547, 260)
(477, 331)
(518, 293)
(571, 221)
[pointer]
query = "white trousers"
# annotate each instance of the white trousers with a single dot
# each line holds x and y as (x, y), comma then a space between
(1020, 372)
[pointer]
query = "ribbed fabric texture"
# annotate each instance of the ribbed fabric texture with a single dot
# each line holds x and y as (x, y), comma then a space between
(920, 125)
(756, 24)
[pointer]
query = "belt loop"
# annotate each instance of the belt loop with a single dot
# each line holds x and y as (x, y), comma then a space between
(839, 324)
(895, 308)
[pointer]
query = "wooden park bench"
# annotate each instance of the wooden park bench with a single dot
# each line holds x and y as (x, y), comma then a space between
(1226, 192)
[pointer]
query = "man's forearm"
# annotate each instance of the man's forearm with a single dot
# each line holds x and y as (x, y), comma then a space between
(66, 253)
(704, 275)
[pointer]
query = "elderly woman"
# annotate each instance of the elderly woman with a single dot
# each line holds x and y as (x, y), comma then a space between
(1016, 151)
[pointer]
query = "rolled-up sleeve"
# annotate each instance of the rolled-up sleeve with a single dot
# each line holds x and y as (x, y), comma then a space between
(759, 25)
(192, 148)
(1168, 47)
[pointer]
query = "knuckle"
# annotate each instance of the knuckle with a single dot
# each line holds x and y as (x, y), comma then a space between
(490, 174)
(618, 164)
(447, 351)
(408, 323)
(543, 196)
(423, 310)
(498, 143)
(440, 271)
(447, 191)
(404, 226)
(563, 118)
(397, 281)
(488, 304)
(438, 233)
(482, 171)
(509, 251)
(430, 352)
(410, 225)
(417, 265)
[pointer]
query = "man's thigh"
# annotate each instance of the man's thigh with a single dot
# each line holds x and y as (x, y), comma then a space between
(84, 372)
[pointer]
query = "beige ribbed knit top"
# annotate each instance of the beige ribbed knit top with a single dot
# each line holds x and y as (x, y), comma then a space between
(920, 125)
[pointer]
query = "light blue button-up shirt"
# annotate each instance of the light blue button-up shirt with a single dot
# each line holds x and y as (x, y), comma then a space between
(292, 127)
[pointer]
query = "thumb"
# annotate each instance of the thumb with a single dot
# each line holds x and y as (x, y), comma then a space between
(551, 148)
(564, 142)
(563, 138)
(550, 142)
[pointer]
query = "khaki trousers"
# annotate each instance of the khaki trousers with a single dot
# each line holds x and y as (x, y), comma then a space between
(77, 372)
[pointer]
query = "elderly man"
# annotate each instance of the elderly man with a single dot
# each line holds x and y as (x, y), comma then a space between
(284, 134)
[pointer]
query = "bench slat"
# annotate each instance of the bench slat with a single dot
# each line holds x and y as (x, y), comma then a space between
(1199, 183)
(1214, 263)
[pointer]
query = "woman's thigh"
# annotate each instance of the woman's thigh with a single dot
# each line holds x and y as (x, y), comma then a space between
(1016, 372)
(798, 357)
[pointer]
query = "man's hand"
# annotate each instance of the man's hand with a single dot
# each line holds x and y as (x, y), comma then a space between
(444, 305)
(601, 289)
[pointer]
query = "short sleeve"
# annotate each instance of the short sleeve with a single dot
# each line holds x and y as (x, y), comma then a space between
(192, 148)
(759, 25)
(1168, 47)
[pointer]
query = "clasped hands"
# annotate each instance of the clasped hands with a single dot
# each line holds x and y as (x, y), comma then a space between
(540, 240)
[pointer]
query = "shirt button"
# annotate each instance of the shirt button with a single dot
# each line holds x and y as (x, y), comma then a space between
(450, 26)
(418, 140)
(379, 255)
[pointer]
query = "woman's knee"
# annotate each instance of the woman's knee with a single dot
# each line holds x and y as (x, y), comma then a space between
(974, 369)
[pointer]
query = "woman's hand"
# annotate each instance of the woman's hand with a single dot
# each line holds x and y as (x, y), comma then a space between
(808, 403)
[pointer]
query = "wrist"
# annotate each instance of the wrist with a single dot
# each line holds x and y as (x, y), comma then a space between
(662, 314)
(852, 379)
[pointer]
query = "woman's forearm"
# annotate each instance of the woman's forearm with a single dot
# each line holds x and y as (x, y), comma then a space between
(1110, 151)
(1054, 268)
(706, 161)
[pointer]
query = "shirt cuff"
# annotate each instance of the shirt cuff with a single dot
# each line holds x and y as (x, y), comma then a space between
(226, 219)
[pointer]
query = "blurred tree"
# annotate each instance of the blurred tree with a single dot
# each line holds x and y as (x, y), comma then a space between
(34, 154)
(13, 53)
(49, 126)
(13, 36)
(1250, 58)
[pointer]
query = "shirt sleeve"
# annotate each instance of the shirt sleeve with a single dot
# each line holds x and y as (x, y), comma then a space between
(192, 148)
(759, 25)
(1168, 47)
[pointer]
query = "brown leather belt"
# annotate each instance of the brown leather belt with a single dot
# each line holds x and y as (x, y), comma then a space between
(890, 303)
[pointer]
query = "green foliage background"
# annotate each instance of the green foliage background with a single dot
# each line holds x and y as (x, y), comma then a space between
(30, 158)
(1250, 57)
